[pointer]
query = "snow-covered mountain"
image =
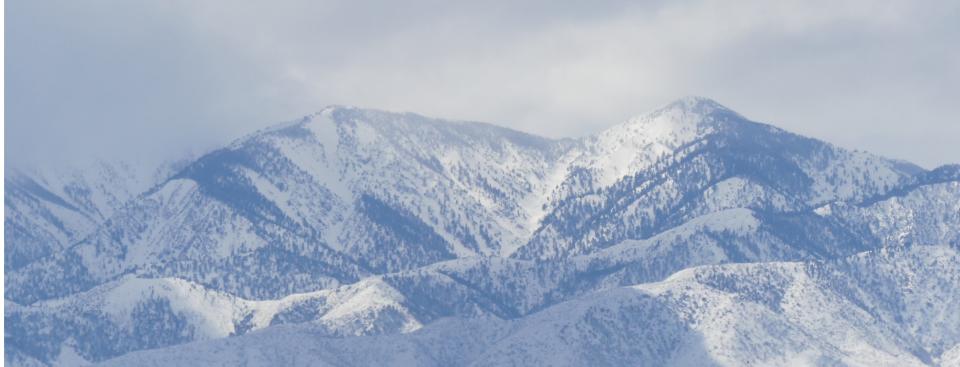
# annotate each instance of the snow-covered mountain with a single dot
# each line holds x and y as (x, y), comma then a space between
(48, 210)
(890, 307)
(360, 236)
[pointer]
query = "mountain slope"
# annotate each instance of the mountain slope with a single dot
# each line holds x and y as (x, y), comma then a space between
(804, 313)
(356, 222)
(309, 205)
(136, 313)
(699, 157)
(493, 288)
(46, 211)
(347, 192)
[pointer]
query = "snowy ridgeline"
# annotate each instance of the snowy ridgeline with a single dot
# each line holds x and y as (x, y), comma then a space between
(883, 308)
(360, 237)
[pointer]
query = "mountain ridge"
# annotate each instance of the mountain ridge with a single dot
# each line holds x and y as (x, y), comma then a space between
(436, 220)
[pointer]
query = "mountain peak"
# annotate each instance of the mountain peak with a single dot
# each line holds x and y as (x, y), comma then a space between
(683, 116)
(334, 108)
(695, 104)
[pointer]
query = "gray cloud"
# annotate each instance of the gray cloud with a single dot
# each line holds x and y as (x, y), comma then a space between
(112, 78)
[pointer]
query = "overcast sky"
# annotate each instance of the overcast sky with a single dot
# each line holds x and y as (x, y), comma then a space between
(120, 78)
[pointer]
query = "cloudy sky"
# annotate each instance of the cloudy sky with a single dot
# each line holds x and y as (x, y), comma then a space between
(156, 78)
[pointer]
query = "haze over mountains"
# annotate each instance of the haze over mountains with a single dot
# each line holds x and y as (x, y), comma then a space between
(687, 236)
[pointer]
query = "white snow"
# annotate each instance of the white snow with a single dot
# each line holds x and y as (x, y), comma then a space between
(466, 180)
